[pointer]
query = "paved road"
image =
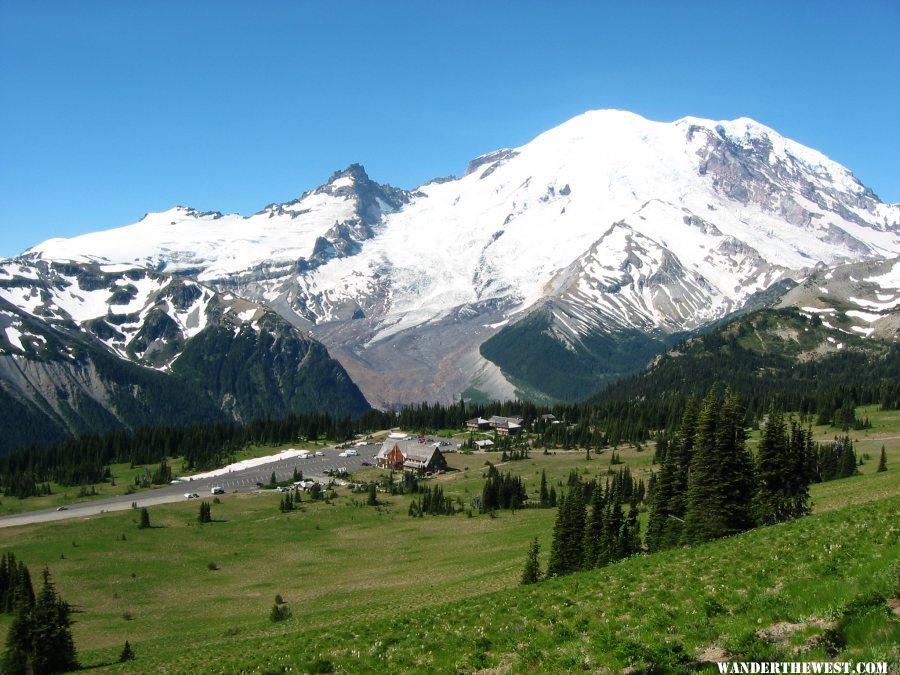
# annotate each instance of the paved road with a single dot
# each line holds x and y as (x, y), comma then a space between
(244, 480)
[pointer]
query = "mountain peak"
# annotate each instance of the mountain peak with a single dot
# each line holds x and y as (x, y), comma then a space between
(353, 177)
(355, 171)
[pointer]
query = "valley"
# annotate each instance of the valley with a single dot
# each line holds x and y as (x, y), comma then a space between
(353, 576)
(456, 338)
(599, 282)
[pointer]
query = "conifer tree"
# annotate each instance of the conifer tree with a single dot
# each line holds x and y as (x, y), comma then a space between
(40, 637)
(17, 656)
(15, 584)
(556, 566)
(372, 499)
(631, 532)
(611, 540)
(567, 546)
(532, 572)
(24, 587)
(668, 523)
(577, 518)
(205, 513)
(663, 497)
(882, 462)
(593, 533)
(127, 653)
(54, 648)
(704, 519)
(800, 467)
(773, 463)
(145, 519)
(720, 483)
(847, 459)
(735, 465)
(280, 612)
(545, 496)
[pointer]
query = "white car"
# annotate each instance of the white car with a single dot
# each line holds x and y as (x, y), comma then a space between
(343, 454)
(217, 490)
(319, 453)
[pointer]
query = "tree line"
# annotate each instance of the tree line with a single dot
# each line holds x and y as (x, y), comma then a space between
(596, 524)
(86, 460)
(708, 486)
(39, 640)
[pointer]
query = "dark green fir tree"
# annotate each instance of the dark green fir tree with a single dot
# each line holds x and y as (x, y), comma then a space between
(205, 513)
(882, 462)
(720, 483)
(17, 656)
(54, 647)
(127, 653)
(532, 572)
(544, 497)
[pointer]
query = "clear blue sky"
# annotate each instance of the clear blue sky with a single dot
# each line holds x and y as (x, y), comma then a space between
(112, 109)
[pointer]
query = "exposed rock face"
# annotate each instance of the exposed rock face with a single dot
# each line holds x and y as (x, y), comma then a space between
(861, 299)
(609, 222)
(91, 348)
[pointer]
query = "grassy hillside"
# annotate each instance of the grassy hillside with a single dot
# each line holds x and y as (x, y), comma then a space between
(373, 590)
(770, 354)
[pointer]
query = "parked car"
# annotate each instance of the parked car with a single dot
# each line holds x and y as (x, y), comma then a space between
(217, 490)
(62, 508)
(191, 495)
(366, 464)
(319, 453)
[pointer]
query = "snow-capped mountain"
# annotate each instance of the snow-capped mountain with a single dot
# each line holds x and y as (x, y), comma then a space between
(87, 347)
(279, 241)
(608, 222)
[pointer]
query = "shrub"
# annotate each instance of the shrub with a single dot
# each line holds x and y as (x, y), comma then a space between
(280, 613)
(321, 666)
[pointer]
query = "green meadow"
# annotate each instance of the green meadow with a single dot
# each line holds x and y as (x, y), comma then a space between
(123, 480)
(373, 590)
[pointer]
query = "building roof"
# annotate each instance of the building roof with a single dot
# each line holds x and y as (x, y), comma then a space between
(426, 454)
(498, 421)
(412, 450)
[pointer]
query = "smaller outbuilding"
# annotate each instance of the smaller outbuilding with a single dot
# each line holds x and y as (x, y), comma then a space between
(506, 426)
(478, 424)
